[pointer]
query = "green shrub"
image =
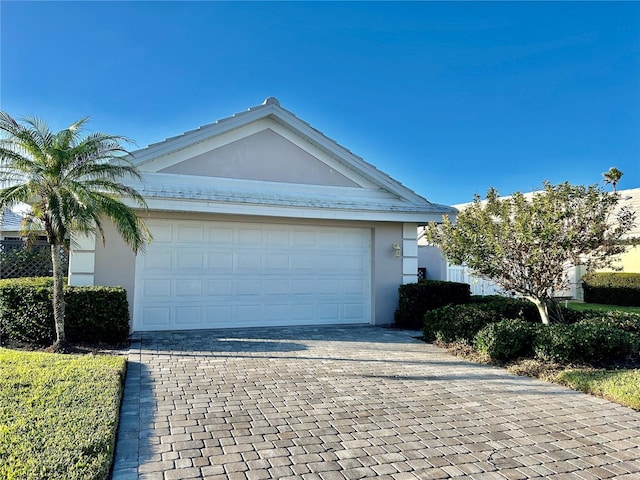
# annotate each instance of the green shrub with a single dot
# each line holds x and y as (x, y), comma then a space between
(26, 313)
(591, 341)
(612, 288)
(506, 340)
(456, 323)
(462, 322)
(627, 321)
(93, 314)
(415, 299)
(507, 307)
(97, 314)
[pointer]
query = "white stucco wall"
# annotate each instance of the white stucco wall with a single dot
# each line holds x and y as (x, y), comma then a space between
(432, 259)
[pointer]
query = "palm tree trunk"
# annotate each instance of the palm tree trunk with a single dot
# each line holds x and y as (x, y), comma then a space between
(58, 295)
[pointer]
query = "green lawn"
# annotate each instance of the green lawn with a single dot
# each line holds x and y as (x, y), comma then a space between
(621, 386)
(58, 414)
(597, 307)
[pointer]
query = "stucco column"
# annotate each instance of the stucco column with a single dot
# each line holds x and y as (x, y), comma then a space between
(409, 253)
(82, 260)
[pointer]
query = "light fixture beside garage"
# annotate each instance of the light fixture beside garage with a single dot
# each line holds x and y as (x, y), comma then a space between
(396, 249)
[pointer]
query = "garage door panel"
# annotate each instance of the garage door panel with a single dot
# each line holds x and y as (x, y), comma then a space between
(303, 312)
(249, 261)
(220, 261)
(276, 286)
(329, 240)
(353, 286)
(355, 240)
(162, 234)
(303, 286)
(189, 288)
(219, 287)
(249, 236)
(247, 287)
(155, 318)
(156, 288)
(158, 260)
(225, 274)
(354, 312)
(187, 316)
(246, 314)
(276, 312)
(303, 262)
(189, 260)
(277, 238)
(303, 239)
(328, 311)
(220, 236)
(328, 287)
(189, 234)
(277, 261)
(218, 315)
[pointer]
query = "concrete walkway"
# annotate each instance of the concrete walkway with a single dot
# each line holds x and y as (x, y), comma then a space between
(328, 403)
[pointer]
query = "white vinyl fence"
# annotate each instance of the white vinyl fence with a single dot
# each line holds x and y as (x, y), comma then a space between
(479, 286)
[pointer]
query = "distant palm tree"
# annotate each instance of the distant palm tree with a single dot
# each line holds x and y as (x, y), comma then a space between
(72, 183)
(613, 176)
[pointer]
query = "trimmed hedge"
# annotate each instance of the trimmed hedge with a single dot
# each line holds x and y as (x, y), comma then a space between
(507, 307)
(506, 340)
(456, 323)
(506, 329)
(92, 315)
(461, 323)
(612, 288)
(588, 341)
(415, 299)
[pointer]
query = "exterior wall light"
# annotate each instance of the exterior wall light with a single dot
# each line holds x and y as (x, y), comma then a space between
(396, 249)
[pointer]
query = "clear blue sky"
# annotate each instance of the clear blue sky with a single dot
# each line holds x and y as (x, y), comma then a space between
(448, 98)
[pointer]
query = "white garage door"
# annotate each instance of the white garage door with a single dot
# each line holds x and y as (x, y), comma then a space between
(226, 274)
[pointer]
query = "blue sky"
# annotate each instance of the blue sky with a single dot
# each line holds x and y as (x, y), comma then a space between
(449, 98)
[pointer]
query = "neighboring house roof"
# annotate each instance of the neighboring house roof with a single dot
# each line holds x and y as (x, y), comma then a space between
(10, 221)
(267, 161)
(631, 199)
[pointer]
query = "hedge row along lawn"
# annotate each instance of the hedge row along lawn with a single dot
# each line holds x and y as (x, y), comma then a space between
(598, 307)
(619, 383)
(620, 386)
(58, 414)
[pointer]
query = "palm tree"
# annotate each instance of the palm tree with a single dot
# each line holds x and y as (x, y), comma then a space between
(73, 183)
(613, 177)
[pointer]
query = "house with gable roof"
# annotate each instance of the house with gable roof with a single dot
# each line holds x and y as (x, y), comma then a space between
(259, 219)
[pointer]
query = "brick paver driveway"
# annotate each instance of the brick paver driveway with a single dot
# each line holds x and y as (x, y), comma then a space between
(352, 402)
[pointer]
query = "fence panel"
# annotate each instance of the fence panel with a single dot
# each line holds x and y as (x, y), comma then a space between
(19, 260)
(479, 286)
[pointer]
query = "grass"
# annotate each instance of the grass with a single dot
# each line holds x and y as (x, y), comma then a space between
(620, 386)
(58, 414)
(598, 307)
